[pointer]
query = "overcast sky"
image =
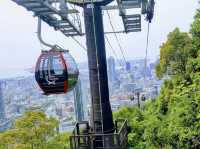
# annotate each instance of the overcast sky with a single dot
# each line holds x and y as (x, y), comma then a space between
(20, 47)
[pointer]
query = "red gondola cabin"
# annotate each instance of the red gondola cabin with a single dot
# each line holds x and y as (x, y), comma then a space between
(56, 72)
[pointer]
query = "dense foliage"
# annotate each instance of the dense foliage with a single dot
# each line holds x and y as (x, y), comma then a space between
(34, 131)
(172, 121)
(174, 54)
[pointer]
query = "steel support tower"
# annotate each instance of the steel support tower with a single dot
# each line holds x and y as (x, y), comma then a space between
(102, 120)
(101, 109)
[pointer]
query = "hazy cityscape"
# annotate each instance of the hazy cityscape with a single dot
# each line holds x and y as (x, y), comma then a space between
(127, 82)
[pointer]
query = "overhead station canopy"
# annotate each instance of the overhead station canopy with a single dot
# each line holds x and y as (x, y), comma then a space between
(63, 17)
(56, 13)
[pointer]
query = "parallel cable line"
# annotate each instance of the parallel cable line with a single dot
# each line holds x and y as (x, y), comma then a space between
(117, 39)
(146, 53)
(81, 45)
(111, 47)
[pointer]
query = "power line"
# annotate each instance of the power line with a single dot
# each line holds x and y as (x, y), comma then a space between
(81, 45)
(120, 47)
(146, 51)
(112, 50)
(146, 54)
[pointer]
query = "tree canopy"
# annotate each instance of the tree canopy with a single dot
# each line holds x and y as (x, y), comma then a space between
(34, 131)
(174, 54)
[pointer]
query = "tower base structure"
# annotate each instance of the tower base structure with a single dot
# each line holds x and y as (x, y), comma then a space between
(83, 138)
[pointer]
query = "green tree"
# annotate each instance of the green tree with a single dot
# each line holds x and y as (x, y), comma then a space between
(174, 54)
(195, 32)
(61, 141)
(34, 131)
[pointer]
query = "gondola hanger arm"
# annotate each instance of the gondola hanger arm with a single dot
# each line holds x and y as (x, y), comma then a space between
(39, 35)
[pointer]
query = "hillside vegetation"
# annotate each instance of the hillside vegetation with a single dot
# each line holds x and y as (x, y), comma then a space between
(34, 131)
(172, 121)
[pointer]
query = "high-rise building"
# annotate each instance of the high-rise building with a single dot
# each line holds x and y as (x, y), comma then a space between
(111, 69)
(128, 66)
(2, 108)
(78, 102)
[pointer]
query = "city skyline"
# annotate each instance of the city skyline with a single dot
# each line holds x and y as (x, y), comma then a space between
(8, 73)
(22, 93)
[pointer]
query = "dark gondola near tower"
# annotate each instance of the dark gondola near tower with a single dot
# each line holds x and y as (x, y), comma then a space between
(56, 72)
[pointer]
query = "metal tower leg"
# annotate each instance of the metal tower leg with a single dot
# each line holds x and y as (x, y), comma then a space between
(102, 120)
